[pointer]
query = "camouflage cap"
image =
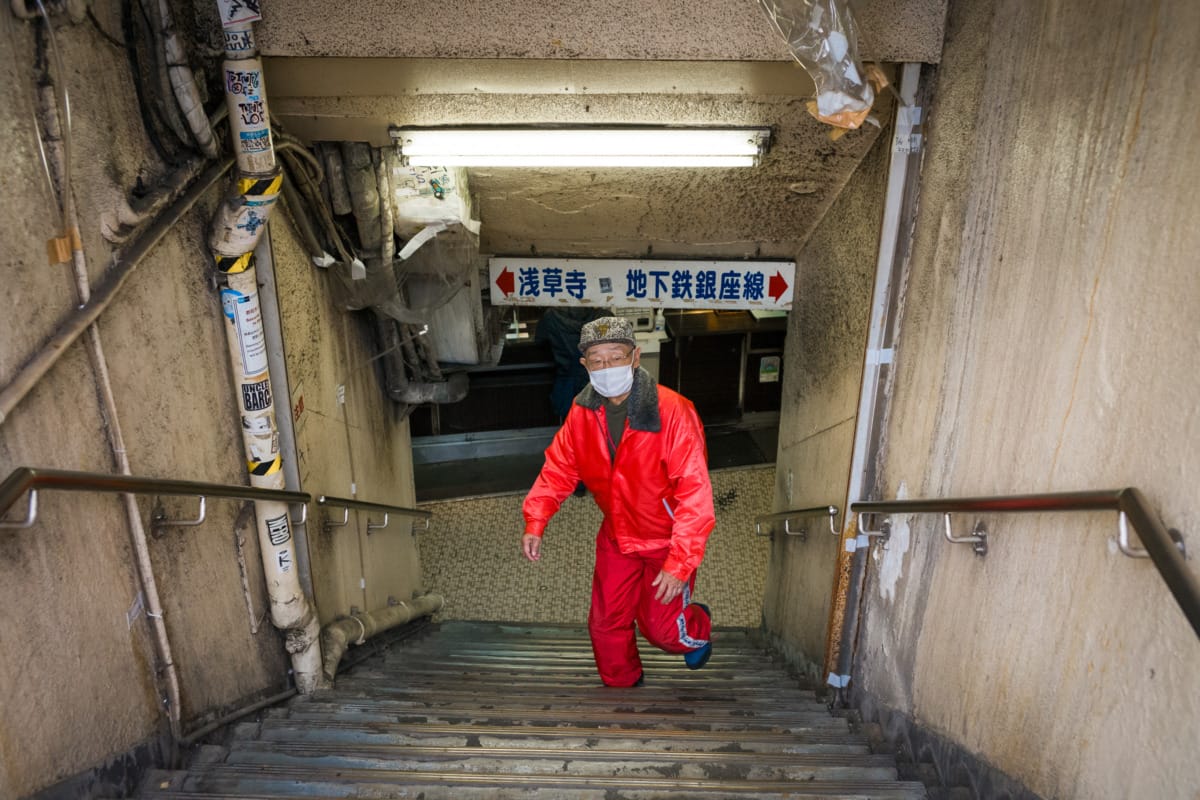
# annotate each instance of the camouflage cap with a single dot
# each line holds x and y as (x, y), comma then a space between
(606, 330)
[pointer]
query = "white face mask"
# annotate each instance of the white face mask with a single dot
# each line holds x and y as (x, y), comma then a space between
(612, 382)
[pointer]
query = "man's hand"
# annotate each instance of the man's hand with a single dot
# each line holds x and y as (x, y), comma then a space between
(669, 587)
(531, 546)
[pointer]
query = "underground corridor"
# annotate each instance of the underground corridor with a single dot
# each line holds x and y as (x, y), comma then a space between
(318, 314)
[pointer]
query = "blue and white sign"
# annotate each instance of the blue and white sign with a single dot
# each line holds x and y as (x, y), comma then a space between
(628, 283)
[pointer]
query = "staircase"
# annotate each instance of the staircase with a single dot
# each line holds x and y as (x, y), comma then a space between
(473, 710)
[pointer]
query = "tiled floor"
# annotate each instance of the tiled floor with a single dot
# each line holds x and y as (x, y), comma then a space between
(471, 554)
(727, 447)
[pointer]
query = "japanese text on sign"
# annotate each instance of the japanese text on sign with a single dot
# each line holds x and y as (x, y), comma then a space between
(641, 283)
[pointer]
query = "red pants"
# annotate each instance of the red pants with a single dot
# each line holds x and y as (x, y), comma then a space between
(621, 595)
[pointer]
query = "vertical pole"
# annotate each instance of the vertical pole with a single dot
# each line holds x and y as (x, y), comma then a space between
(852, 560)
(236, 230)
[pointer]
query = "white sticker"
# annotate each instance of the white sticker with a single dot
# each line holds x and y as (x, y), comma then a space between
(341, 394)
(851, 545)
(252, 342)
(235, 11)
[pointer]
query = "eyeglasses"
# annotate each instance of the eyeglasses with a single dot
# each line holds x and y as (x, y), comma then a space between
(595, 362)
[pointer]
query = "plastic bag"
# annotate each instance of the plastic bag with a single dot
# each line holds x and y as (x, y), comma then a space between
(822, 37)
(424, 196)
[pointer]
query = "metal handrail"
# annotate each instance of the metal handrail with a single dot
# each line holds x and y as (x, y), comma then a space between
(787, 516)
(362, 505)
(1164, 547)
(33, 480)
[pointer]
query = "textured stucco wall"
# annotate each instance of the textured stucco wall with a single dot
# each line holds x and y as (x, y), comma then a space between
(77, 684)
(1048, 343)
(827, 332)
(728, 30)
(471, 554)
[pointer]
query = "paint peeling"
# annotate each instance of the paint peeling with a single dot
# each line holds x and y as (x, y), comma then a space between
(891, 557)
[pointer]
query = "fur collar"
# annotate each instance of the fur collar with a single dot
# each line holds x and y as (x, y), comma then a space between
(643, 402)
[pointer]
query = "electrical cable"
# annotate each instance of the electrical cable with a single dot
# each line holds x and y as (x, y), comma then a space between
(91, 15)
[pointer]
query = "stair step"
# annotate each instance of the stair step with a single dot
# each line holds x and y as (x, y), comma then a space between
(646, 703)
(557, 761)
(379, 711)
(242, 780)
(799, 699)
(495, 711)
(560, 737)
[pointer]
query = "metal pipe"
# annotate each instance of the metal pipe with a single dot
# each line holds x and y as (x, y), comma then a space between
(337, 636)
(23, 479)
(1164, 551)
(237, 229)
(104, 292)
(363, 505)
(234, 716)
(288, 448)
(60, 160)
(898, 205)
(830, 511)
(183, 83)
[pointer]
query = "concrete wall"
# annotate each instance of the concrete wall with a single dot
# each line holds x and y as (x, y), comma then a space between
(729, 30)
(356, 448)
(1048, 343)
(827, 332)
(471, 554)
(77, 683)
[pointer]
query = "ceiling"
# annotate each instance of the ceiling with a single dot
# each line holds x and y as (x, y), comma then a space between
(677, 62)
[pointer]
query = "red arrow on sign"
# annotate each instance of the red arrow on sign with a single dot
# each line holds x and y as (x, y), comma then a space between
(504, 281)
(778, 287)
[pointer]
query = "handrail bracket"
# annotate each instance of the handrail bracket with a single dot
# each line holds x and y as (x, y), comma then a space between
(31, 513)
(977, 539)
(1134, 551)
(160, 520)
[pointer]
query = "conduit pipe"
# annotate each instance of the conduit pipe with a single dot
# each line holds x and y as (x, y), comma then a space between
(236, 230)
(183, 84)
(337, 637)
(104, 292)
(899, 205)
(58, 160)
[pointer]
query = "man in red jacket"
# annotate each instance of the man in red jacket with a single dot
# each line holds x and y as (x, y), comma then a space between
(639, 448)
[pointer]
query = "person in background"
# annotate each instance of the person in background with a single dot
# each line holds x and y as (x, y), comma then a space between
(639, 448)
(559, 328)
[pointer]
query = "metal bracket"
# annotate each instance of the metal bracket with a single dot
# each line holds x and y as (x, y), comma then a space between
(802, 534)
(303, 515)
(884, 533)
(31, 512)
(371, 526)
(426, 520)
(330, 524)
(160, 519)
(1140, 552)
(978, 537)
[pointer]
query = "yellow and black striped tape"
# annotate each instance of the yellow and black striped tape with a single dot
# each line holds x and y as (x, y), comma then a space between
(261, 468)
(259, 186)
(231, 265)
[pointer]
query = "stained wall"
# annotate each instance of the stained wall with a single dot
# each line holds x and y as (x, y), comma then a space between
(822, 372)
(1048, 344)
(78, 681)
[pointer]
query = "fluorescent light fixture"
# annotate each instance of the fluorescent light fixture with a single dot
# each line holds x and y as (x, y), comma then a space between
(581, 147)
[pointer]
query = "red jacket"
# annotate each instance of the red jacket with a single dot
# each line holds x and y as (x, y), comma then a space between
(657, 493)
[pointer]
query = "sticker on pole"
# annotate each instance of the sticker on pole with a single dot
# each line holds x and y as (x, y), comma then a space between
(235, 11)
(753, 285)
(244, 312)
